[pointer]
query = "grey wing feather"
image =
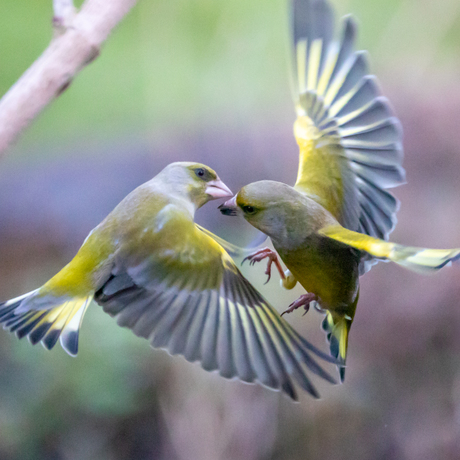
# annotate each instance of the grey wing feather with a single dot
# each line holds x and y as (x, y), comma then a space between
(231, 329)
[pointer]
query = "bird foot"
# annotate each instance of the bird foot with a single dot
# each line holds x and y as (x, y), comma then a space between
(303, 301)
(272, 258)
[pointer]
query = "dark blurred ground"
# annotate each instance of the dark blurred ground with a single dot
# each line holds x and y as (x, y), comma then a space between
(206, 81)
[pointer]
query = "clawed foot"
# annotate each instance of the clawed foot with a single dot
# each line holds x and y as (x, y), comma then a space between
(303, 301)
(272, 258)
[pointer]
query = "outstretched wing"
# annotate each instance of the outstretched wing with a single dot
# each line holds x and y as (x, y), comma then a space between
(233, 249)
(420, 260)
(349, 139)
(194, 301)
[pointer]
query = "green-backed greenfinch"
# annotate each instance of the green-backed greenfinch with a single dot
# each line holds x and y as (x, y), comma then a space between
(331, 227)
(170, 281)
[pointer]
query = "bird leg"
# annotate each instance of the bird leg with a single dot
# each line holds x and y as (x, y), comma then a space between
(303, 301)
(272, 258)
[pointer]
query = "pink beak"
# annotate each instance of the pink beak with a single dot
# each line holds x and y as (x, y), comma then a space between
(217, 189)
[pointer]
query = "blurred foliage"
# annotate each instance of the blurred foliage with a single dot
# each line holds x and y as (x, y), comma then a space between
(176, 66)
(209, 81)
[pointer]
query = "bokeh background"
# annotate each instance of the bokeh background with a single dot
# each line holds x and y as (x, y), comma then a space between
(207, 80)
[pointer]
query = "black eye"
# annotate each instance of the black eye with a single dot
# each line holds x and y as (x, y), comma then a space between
(249, 209)
(200, 172)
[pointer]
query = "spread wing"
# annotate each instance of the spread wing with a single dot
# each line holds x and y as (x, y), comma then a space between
(233, 249)
(349, 140)
(194, 301)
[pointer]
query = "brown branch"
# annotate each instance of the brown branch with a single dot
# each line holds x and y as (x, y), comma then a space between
(76, 45)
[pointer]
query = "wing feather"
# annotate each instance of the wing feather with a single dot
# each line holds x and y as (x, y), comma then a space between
(209, 339)
(240, 347)
(348, 136)
(283, 355)
(192, 350)
(420, 260)
(215, 316)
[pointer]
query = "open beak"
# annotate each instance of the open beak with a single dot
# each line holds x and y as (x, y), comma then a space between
(217, 189)
(229, 208)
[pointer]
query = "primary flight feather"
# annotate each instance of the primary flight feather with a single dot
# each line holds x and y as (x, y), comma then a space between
(332, 226)
(168, 280)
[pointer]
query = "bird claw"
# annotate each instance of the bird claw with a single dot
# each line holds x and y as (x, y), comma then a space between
(268, 272)
(272, 258)
(303, 301)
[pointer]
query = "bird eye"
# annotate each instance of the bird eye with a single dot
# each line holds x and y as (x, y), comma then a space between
(200, 172)
(248, 210)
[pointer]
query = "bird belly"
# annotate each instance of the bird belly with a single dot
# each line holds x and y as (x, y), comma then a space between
(330, 271)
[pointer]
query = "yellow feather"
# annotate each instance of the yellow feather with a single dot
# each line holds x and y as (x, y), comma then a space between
(313, 63)
(327, 72)
(341, 103)
(413, 258)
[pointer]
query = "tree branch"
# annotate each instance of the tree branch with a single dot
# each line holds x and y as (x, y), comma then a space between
(76, 45)
(64, 12)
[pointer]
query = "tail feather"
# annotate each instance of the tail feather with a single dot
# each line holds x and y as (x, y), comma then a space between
(61, 320)
(337, 337)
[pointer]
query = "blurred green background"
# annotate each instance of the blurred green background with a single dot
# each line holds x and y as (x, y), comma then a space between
(208, 81)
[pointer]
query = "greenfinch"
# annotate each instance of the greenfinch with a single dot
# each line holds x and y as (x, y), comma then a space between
(333, 225)
(170, 281)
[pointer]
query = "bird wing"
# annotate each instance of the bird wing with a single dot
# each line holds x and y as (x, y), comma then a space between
(420, 260)
(192, 300)
(349, 139)
(233, 249)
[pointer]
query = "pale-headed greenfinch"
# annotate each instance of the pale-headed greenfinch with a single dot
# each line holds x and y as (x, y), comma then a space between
(331, 227)
(168, 280)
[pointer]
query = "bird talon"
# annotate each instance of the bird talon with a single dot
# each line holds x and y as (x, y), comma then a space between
(272, 258)
(303, 301)
(268, 277)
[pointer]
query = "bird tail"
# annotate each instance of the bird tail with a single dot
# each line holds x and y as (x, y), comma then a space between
(337, 328)
(50, 320)
(338, 102)
(420, 260)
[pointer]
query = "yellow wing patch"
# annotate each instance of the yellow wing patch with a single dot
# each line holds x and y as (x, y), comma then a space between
(349, 140)
(416, 259)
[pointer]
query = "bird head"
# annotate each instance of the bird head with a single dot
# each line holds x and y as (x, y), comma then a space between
(263, 204)
(195, 181)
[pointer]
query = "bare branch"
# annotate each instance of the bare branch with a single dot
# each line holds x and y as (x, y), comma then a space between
(64, 13)
(54, 70)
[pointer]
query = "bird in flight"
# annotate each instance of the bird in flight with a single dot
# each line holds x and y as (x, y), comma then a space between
(334, 223)
(149, 265)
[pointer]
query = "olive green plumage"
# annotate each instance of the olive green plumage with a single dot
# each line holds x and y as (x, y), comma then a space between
(332, 225)
(170, 281)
